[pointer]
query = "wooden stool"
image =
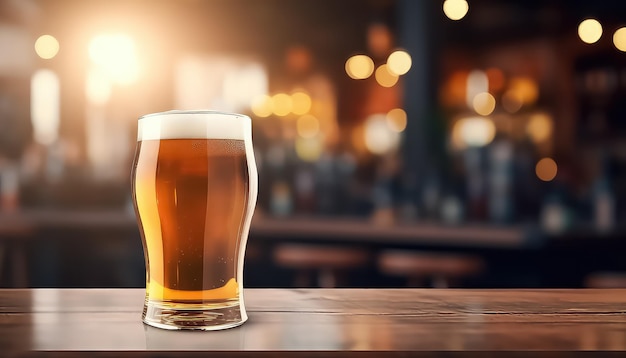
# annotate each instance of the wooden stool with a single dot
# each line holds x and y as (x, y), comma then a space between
(440, 268)
(327, 262)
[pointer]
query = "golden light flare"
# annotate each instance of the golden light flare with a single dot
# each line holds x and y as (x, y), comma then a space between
(384, 77)
(47, 47)
(619, 39)
(309, 149)
(115, 54)
(301, 103)
(539, 127)
(308, 126)
(546, 169)
(525, 88)
(396, 120)
(590, 31)
(262, 106)
(379, 138)
(399, 62)
(455, 9)
(477, 82)
(484, 103)
(359, 67)
(282, 104)
(45, 106)
(474, 131)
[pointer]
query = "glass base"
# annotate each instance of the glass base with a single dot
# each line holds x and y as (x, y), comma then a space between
(193, 316)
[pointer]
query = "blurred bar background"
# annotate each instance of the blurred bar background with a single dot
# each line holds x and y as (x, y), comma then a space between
(477, 143)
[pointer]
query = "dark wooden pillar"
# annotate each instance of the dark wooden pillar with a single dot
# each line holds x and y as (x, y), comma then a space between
(424, 142)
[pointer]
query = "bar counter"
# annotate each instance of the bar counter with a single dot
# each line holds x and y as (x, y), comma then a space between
(325, 322)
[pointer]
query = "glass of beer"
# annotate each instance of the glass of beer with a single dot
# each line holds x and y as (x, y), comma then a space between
(194, 186)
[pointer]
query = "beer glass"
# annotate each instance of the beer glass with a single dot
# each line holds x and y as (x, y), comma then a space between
(194, 186)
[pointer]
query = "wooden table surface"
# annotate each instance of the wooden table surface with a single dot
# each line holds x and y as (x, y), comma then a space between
(335, 322)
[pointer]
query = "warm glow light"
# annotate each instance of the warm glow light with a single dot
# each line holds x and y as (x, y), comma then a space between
(484, 103)
(512, 101)
(301, 103)
(474, 131)
(241, 84)
(45, 105)
(309, 149)
(455, 9)
(546, 169)
(97, 87)
(524, 89)
(230, 84)
(379, 39)
(619, 39)
(399, 62)
(477, 82)
(116, 55)
(379, 138)
(308, 126)
(262, 106)
(495, 77)
(384, 77)
(46, 47)
(282, 104)
(359, 67)
(539, 127)
(590, 31)
(396, 120)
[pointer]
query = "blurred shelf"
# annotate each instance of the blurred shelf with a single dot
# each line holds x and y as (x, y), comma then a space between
(42, 220)
(362, 231)
(293, 229)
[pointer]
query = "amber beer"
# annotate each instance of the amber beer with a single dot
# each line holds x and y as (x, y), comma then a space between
(194, 189)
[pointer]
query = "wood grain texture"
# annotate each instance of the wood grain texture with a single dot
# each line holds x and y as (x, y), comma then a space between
(336, 321)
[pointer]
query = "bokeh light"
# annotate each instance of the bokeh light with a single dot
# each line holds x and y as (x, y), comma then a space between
(379, 138)
(309, 149)
(546, 169)
(475, 131)
(384, 77)
(115, 53)
(301, 103)
(590, 31)
(46, 47)
(308, 126)
(619, 39)
(477, 82)
(97, 87)
(396, 120)
(45, 106)
(399, 62)
(282, 104)
(359, 67)
(262, 106)
(525, 88)
(539, 127)
(484, 103)
(455, 9)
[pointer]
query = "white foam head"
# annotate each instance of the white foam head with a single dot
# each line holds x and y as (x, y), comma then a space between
(194, 125)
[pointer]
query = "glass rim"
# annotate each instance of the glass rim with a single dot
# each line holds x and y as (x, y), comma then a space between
(192, 112)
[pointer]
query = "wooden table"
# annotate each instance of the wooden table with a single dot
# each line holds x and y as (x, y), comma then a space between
(326, 322)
